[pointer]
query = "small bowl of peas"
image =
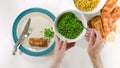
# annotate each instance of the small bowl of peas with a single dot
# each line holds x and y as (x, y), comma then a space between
(70, 25)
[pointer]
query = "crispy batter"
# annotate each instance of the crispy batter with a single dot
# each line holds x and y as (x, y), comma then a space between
(102, 23)
(108, 26)
(38, 42)
(96, 23)
(116, 14)
(109, 6)
(105, 23)
(89, 23)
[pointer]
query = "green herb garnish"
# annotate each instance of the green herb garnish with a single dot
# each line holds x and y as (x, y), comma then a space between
(69, 26)
(48, 34)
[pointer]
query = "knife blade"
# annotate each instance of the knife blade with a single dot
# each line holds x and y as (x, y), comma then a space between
(22, 36)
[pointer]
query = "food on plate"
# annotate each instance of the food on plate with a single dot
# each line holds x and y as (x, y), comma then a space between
(86, 5)
(48, 34)
(96, 23)
(42, 42)
(109, 6)
(111, 37)
(38, 42)
(108, 26)
(69, 26)
(116, 14)
(109, 15)
(102, 23)
(107, 22)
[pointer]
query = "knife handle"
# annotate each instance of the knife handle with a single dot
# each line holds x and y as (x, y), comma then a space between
(16, 46)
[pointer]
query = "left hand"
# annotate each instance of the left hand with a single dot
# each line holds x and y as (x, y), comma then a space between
(59, 51)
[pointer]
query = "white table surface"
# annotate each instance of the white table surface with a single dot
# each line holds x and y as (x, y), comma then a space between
(76, 57)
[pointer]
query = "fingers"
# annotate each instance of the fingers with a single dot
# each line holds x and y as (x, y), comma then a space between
(99, 43)
(97, 33)
(56, 39)
(64, 45)
(57, 46)
(91, 38)
(99, 39)
(87, 35)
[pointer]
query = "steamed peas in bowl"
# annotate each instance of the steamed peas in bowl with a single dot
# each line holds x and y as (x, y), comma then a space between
(69, 25)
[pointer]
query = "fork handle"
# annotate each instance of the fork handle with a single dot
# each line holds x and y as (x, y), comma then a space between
(16, 46)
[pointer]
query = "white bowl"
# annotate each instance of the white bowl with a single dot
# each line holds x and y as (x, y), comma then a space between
(97, 9)
(80, 16)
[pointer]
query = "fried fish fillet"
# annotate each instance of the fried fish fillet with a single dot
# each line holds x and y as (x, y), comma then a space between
(105, 23)
(107, 20)
(102, 23)
(108, 26)
(116, 14)
(96, 23)
(109, 6)
(38, 42)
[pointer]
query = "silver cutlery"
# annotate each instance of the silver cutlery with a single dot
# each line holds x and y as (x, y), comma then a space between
(25, 33)
(85, 28)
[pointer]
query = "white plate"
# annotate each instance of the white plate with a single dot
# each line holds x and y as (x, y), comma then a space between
(39, 22)
(40, 19)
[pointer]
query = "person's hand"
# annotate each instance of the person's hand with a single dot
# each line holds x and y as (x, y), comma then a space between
(95, 47)
(59, 51)
(96, 42)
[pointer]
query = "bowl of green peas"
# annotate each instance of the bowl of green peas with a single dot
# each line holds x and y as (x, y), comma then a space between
(70, 25)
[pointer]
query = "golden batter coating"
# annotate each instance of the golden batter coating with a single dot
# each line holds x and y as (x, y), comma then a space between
(38, 42)
(96, 23)
(107, 22)
(109, 6)
(102, 23)
(116, 14)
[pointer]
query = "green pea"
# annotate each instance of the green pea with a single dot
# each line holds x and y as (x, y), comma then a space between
(69, 26)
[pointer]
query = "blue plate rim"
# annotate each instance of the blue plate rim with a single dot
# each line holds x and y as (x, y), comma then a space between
(14, 28)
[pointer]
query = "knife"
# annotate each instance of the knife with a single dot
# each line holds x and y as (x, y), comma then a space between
(22, 36)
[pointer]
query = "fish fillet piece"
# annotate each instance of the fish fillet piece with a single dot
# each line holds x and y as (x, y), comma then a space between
(96, 23)
(108, 26)
(116, 14)
(109, 6)
(38, 42)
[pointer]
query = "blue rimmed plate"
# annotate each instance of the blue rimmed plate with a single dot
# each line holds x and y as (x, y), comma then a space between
(40, 20)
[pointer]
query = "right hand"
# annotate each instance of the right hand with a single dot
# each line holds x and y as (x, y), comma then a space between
(96, 43)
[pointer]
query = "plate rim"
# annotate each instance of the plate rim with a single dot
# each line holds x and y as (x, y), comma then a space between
(14, 30)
